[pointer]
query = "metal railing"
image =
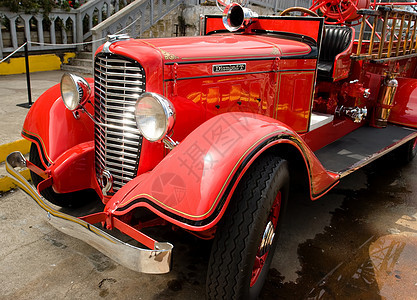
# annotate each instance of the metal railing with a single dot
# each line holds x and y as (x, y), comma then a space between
(135, 19)
(61, 30)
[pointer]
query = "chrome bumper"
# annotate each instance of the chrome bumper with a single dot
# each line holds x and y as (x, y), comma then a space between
(157, 261)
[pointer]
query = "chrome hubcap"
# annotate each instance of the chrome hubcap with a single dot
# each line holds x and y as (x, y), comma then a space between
(267, 238)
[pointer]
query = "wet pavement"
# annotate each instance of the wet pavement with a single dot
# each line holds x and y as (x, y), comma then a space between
(366, 247)
(357, 242)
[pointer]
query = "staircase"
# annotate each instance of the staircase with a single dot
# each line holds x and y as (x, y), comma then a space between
(146, 14)
(81, 64)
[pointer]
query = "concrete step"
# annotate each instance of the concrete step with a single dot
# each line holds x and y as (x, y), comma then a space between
(85, 55)
(79, 70)
(82, 62)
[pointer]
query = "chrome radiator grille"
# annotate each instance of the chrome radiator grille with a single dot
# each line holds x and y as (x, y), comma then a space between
(117, 83)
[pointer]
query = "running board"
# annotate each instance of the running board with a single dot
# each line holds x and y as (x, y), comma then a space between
(361, 147)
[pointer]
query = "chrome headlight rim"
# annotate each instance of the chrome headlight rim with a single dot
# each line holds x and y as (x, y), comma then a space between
(169, 115)
(78, 86)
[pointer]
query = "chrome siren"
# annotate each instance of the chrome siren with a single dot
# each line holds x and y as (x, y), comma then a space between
(236, 17)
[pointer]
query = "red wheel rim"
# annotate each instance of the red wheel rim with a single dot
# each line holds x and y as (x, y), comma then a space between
(267, 240)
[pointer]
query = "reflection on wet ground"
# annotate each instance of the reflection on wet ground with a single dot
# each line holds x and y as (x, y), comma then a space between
(394, 261)
(363, 244)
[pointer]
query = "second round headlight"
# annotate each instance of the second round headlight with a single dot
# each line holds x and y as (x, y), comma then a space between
(155, 116)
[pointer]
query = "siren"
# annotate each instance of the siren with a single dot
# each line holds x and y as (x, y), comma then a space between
(236, 17)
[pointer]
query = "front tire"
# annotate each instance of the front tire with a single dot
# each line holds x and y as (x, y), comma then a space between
(247, 236)
(74, 199)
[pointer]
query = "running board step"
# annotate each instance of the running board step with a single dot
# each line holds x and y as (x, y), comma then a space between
(361, 147)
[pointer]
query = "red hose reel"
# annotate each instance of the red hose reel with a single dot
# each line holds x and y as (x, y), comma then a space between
(339, 11)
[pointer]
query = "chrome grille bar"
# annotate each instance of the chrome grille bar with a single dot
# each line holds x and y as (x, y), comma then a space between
(118, 81)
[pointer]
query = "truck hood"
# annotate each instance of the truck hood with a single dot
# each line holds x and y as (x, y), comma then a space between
(215, 47)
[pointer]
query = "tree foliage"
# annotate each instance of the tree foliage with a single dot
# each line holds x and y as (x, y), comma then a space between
(34, 6)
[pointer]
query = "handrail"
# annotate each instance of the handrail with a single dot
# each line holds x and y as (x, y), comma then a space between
(142, 14)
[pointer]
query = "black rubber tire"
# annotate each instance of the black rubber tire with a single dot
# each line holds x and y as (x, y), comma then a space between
(239, 233)
(407, 152)
(74, 199)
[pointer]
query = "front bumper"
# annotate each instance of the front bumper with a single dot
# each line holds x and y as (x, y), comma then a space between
(156, 261)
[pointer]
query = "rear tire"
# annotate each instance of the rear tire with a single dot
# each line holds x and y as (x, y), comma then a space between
(407, 152)
(247, 235)
(74, 199)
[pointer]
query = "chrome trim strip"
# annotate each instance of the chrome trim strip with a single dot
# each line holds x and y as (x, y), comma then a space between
(156, 261)
(120, 88)
(137, 82)
(116, 101)
(118, 68)
(117, 128)
(138, 76)
(132, 96)
(116, 144)
(116, 164)
(121, 172)
(124, 153)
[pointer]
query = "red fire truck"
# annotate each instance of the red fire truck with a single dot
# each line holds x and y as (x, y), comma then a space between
(210, 134)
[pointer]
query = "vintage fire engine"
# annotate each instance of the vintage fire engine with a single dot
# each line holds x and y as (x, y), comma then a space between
(210, 133)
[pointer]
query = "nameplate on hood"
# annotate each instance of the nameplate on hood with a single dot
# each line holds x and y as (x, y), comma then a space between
(227, 68)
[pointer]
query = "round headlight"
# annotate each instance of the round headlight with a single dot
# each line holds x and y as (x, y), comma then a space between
(155, 116)
(75, 90)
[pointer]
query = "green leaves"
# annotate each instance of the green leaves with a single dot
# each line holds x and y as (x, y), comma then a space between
(34, 6)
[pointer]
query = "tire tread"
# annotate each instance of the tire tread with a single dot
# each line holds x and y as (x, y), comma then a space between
(241, 214)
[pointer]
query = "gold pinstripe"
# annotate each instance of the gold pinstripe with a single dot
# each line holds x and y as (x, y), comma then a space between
(43, 144)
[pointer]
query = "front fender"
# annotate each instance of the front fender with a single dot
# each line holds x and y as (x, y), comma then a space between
(192, 185)
(53, 127)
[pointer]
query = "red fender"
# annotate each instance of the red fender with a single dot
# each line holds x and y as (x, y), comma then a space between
(404, 111)
(53, 127)
(192, 185)
(74, 170)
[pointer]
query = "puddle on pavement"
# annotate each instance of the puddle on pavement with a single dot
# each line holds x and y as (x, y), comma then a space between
(394, 265)
(368, 250)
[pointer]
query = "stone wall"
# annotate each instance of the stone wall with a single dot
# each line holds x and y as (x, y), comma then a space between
(192, 15)
(185, 20)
